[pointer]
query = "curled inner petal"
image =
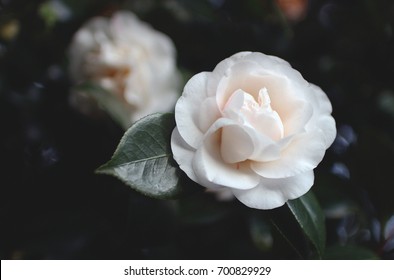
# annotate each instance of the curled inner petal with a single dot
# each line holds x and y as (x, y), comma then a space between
(236, 144)
(258, 114)
(210, 168)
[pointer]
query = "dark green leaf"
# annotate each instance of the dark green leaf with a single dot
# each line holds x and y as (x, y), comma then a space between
(349, 252)
(287, 229)
(310, 217)
(143, 159)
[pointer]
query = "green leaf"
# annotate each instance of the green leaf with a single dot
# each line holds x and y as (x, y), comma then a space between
(143, 159)
(310, 217)
(349, 252)
(286, 228)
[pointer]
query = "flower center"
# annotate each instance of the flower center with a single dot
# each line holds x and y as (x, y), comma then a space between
(258, 114)
(263, 102)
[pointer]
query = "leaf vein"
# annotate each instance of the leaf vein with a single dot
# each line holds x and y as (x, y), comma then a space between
(143, 160)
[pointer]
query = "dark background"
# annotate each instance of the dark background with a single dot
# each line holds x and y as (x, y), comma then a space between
(53, 206)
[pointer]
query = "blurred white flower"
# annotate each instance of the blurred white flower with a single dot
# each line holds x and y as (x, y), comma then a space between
(130, 60)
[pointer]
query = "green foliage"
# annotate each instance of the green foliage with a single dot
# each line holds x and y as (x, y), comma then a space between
(310, 217)
(143, 159)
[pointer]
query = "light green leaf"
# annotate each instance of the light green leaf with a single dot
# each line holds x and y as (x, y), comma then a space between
(310, 217)
(143, 159)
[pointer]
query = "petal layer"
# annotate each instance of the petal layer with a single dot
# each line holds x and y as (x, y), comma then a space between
(213, 172)
(302, 154)
(183, 154)
(273, 193)
(188, 110)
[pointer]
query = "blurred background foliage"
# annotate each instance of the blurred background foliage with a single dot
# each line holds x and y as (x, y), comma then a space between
(53, 206)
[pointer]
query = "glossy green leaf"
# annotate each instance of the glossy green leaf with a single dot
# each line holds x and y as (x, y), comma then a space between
(310, 217)
(143, 159)
(286, 228)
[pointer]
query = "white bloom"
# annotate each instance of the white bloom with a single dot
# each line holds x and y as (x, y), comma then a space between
(129, 59)
(253, 126)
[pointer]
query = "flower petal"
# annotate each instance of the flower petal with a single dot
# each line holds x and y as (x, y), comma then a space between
(220, 71)
(249, 77)
(302, 154)
(296, 116)
(83, 42)
(239, 76)
(213, 172)
(321, 119)
(277, 67)
(236, 144)
(121, 24)
(183, 154)
(272, 193)
(320, 99)
(210, 115)
(188, 111)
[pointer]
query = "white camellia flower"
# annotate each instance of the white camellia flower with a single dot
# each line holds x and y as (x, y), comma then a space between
(130, 60)
(254, 127)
